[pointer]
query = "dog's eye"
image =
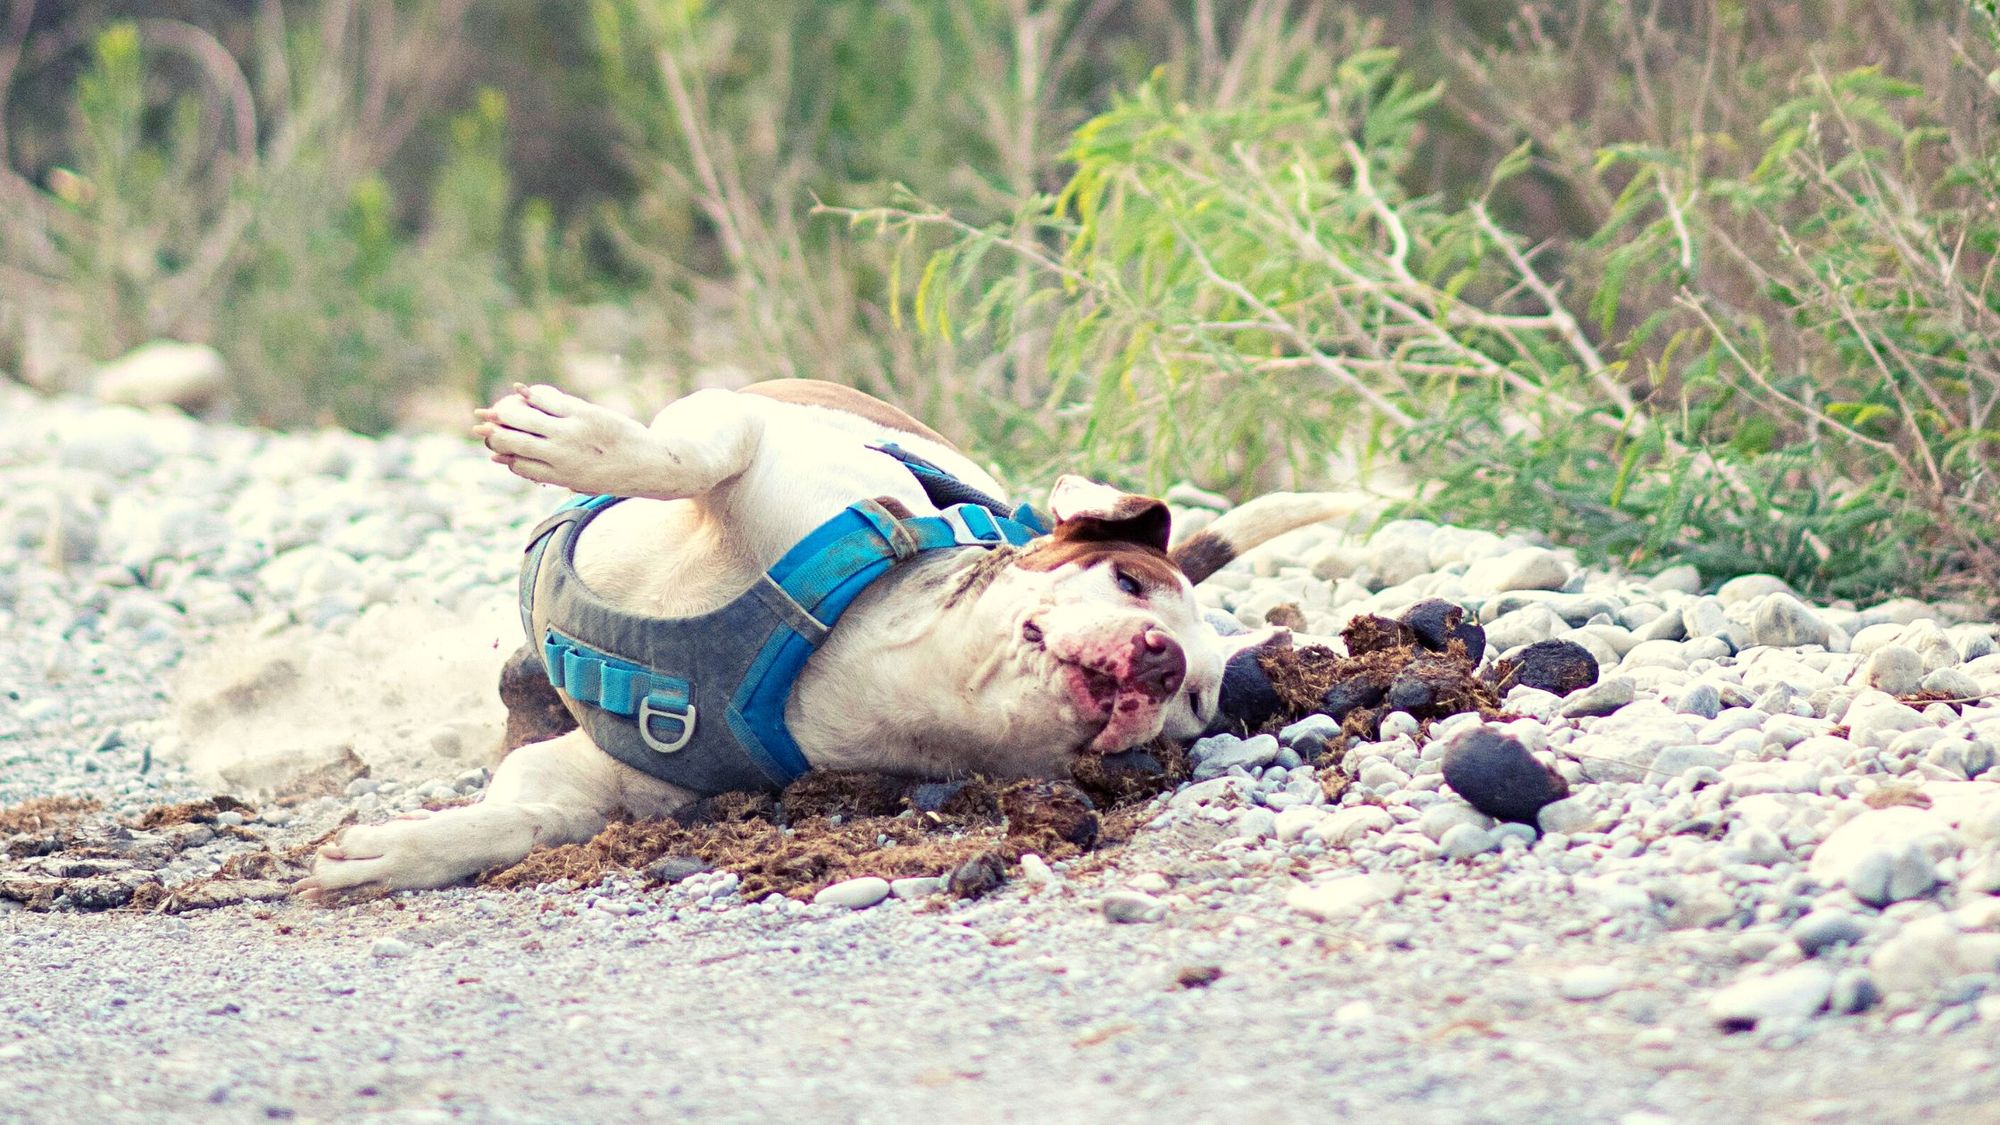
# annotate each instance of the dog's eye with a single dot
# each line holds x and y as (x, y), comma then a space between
(1127, 583)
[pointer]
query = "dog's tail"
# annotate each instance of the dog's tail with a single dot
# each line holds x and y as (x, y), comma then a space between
(1247, 525)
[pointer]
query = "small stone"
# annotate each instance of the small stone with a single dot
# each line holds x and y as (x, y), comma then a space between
(675, 868)
(915, 887)
(1524, 626)
(1497, 775)
(1311, 735)
(1294, 822)
(1681, 579)
(1131, 907)
(1760, 845)
(1436, 623)
(1590, 982)
(1952, 683)
(1893, 669)
(1353, 1013)
(978, 875)
(1883, 856)
(1931, 644)
(1795, 993)
(1602, 698)
(1446, 815)
(1464, 841)
(1875, 718)
(391, 947)
(1381, 774)
(1255, 824)
(1345, 897)
(1824, 929)
(1703, 617)
(1036, 870)
(1554, 666)
(1528, 568)
(1351, 824)
(1567, 816)
(1218, 754)
(854, 894)
(1702, 698)
(1397, 724)
(1854, 990)
(1673, 761)
(163, 373)
(1784, 621)
(1929, 953)
(1750, 587)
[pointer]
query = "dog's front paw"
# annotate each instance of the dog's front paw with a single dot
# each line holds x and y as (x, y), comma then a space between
(551, 437)
(369, 860)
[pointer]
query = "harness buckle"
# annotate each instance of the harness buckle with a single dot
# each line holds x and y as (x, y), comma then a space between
(649, 709)
(971, 525)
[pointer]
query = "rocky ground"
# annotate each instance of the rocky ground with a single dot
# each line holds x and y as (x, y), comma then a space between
(1769, 892)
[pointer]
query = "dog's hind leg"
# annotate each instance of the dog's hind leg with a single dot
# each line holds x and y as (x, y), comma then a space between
(692, 446)
(563, 791)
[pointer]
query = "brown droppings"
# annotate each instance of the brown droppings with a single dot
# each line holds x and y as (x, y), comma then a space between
(1286, 615)
(1388, 671)
(1369, 633)
(1050, 818)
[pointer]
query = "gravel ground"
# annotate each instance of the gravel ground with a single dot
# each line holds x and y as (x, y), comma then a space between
(1769, 895)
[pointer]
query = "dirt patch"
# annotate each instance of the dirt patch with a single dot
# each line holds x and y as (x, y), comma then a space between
(44, 813)
(58, 856)
(832, 826)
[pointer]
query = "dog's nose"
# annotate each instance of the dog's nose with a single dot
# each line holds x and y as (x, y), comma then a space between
(1158, 664)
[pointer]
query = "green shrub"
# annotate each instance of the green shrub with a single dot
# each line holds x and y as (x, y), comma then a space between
(1786, 363)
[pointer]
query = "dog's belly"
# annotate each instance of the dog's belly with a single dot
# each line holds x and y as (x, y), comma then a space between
(663, 558)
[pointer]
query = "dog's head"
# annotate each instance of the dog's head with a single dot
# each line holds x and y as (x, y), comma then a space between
(1100, 619)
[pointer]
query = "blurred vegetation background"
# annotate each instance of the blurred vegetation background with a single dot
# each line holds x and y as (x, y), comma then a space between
(1671, 280)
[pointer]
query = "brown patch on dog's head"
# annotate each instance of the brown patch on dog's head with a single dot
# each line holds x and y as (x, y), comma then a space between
(1149, 566)
(1097, 523)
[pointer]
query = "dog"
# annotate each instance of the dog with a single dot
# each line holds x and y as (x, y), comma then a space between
(1001, 658)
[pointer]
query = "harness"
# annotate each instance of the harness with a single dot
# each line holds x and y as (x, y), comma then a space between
(700, 701)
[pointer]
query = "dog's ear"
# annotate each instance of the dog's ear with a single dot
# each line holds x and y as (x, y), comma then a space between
(1087, 510)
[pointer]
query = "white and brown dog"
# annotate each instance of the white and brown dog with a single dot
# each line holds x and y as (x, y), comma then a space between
(993, 661)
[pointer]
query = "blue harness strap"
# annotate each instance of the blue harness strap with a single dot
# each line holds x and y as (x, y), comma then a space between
(650, 689)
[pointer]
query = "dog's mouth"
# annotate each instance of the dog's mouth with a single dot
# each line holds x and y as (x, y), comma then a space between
(1128, 712)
